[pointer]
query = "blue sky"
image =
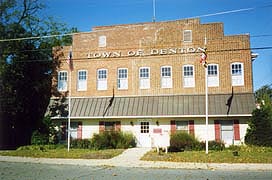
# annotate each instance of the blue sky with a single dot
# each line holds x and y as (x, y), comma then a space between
(85, 14)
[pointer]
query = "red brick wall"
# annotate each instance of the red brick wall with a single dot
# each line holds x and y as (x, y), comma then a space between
(159, 35)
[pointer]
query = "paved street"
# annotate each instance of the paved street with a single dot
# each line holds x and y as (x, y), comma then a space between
(28, 171)
(126, 166)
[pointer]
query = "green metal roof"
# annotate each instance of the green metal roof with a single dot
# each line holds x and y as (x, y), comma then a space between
(154, 106)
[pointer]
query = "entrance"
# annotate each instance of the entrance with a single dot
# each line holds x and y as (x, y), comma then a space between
(227, 132)
(144, 138)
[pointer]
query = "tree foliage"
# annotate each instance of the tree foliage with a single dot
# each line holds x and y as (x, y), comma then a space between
(26, 67)
(260, 125)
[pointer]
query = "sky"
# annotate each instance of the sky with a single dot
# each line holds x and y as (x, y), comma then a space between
(254, 17)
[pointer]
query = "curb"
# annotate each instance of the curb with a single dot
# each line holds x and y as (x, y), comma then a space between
(140, 164)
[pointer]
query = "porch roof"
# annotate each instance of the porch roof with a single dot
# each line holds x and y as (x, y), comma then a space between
(154, 106)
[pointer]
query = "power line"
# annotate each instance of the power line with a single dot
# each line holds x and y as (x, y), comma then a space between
(205, 15)
(231, 11)
(35, 37)
(262, 35)
(121, 47)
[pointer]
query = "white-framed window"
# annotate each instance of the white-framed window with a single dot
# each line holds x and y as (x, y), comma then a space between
(182, 126)
(166, 77)
(102, 79)
(187, 36)
(188, 76)
(62, 80)
(122, 81)
(102, 41)
(82, 80)
(213, 75)
(76, 130)
(237, 74)
(73, 130)
(144, 77)
(145, 127)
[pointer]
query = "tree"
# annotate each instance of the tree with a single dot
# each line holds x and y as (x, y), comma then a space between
(26, 68)
(260, 125)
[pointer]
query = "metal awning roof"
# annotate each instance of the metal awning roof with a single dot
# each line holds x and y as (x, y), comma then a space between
(154, 106)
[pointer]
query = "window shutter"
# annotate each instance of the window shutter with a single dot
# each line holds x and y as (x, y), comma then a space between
(217, 130)
(101, 126)
(192, 127)
(236, 130)
(79, 130)
(63, 131)
(173, 126)
(118, 125)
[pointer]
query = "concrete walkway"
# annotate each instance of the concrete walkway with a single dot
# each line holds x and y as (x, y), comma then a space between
(131, 158)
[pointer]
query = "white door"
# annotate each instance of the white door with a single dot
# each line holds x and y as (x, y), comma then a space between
(227, 132)
(144, 138)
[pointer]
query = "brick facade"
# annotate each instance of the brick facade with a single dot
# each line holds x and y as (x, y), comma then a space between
(151, 45)
(153, 111)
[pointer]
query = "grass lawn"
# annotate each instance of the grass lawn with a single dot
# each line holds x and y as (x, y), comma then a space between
(245, 155)
(63, 153)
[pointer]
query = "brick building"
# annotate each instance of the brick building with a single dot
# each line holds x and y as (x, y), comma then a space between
(146, 79)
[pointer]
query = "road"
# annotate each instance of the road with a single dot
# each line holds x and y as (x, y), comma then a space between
(33, 171)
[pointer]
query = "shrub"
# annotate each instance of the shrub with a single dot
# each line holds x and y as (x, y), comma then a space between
(234, 148)
(38, 138)
(260, 124)
(81, 144)
(216, 145)
(180, 141)
(46, 134)
(213, 145)
(113, 140)
(127, 141)
(260, 127)
(101, 141)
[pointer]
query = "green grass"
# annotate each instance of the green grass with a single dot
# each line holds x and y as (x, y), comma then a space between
(63, 153)
(245, 155)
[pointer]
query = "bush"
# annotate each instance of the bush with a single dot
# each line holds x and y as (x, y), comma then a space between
(46, 134)
(260, 124)
(213, 145)
(234, 148)
(260, 127)
(81, 144)
(216, 145)
(38, 138)
(127, 141)
(180, 141)
(100, 141)
(113, 140)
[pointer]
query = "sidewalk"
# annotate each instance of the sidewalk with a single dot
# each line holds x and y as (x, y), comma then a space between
(131, 158)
